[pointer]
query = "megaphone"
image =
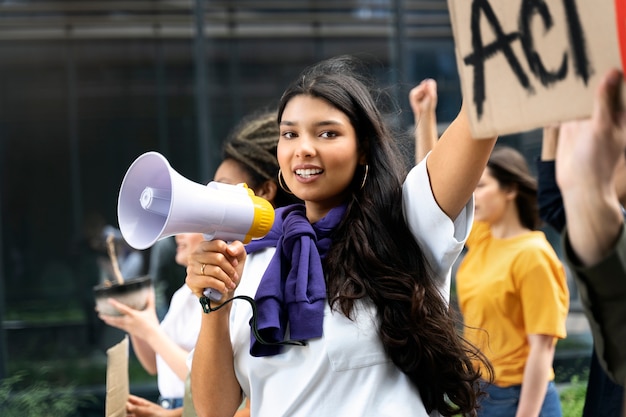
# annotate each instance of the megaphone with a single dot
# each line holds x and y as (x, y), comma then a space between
(155, 202)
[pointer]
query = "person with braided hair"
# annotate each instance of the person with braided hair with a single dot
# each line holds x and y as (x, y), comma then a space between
(342, 309)
(249, 156)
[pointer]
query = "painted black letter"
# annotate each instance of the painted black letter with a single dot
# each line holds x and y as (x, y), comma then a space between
(529, 8)
(582, 66)
(482, 53)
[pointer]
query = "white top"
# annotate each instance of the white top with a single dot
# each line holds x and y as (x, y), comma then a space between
(182, 325)
(345, 372)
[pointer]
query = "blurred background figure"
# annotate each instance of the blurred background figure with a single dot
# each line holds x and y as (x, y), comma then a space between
(131, 261)
(590, 174)
(423, 100)
(249, 156)
(93, 266)
(512, 291)
(603, 396)
(511, 286)
(162, 348)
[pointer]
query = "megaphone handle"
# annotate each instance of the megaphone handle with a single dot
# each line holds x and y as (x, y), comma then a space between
(212, 294)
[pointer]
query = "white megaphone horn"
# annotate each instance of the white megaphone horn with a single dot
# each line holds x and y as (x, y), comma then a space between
(155, 202)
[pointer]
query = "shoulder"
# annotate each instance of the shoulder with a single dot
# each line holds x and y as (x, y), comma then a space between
(535, 255)
(440, 237)
(418, 199)
(536, 242)
(480, 232)
(417, 195)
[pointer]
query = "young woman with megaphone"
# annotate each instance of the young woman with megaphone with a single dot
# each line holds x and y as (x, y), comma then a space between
(350, 288)
(249, 156)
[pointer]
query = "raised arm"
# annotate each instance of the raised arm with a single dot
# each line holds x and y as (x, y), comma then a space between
(549, 198)
(423, 99)
(148, 338)
(456, 164)
(587, 156)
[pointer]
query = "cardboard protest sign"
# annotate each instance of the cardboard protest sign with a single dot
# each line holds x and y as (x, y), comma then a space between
(524, 64)
(117, 386)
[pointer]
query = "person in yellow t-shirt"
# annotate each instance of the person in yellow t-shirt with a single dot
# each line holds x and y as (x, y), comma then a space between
(512, 291)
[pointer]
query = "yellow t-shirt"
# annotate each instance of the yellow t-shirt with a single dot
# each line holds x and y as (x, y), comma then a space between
(508, 289)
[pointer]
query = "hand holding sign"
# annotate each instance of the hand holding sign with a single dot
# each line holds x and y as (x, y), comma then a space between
(524, 64)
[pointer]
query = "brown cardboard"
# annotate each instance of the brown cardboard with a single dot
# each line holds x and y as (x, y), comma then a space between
(508, 106)
(117, 387)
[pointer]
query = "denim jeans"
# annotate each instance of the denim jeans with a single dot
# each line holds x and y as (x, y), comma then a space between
(170, 403)
(502, 402)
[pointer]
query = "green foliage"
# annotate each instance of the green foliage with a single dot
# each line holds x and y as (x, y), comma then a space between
(77, 372)
(57, 311)
(573, 397)
(61, 372)
(37, 400)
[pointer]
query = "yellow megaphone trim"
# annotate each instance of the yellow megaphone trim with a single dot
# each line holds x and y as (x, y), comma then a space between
(263, 217)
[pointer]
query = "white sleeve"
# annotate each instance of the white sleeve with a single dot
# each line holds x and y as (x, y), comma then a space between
(440, 238)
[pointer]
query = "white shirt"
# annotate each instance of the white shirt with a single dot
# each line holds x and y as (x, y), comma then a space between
(182, 325)
(346, 371)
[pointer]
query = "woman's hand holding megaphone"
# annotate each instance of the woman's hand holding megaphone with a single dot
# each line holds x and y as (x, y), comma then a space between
(217, 265)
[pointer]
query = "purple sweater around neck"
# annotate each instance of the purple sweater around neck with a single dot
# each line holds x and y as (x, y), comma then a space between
(293, 289)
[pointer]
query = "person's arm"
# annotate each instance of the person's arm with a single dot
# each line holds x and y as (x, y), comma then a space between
(145, 354)
(140, 407)
(148, 338)
(216, 391)
(594, 244)
(456, 164)
(587, 155)
(536, 375)
(549, 197)
(423, 100)
(602, 289)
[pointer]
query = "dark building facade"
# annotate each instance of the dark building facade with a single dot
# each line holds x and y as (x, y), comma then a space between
(87, 86)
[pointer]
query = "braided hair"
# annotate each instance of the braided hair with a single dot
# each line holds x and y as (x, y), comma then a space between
(252, 144)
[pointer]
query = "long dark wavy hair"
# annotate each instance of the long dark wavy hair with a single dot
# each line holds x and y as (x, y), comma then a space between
(375, 256)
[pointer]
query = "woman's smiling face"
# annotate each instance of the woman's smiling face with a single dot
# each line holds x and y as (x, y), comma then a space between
(317, 153)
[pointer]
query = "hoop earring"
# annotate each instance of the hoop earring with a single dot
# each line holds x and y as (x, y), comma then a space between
(280, 182)
(367, 169)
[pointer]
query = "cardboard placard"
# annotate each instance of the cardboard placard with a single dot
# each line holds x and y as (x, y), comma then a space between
(117, 386)
(524, 64)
